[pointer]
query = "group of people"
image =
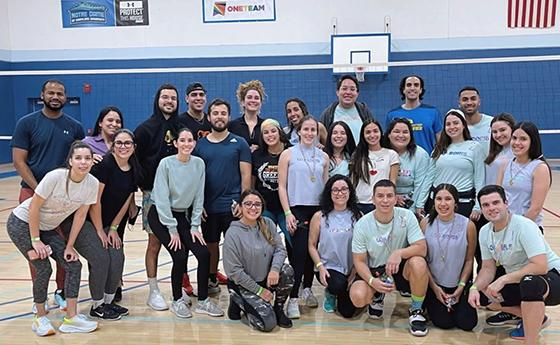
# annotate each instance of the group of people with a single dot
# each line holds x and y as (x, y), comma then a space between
(363, 208)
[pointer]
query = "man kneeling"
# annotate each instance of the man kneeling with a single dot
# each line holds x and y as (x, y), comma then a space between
(388, 249)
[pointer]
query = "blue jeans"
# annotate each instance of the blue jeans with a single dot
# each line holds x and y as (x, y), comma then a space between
(279, 219)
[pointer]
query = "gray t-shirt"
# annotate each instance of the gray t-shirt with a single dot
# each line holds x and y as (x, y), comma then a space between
(60, 202)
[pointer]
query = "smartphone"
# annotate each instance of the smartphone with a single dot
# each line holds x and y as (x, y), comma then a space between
(32, 254)
(233, 207)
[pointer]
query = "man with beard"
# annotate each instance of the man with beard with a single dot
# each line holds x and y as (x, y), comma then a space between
(154, 141)
(478, 123)
(40, 143)
(426, 120)
(228, 172)
(194, 118)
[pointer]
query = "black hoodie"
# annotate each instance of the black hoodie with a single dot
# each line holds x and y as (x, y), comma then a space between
(154, 139)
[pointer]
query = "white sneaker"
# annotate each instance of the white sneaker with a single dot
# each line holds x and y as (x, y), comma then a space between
(78, 324)
(309, 298)
(42, 326)
(293, 308)
(181, 309)
(209, 308)
(156, 301)
(34, 307)
(187, 298)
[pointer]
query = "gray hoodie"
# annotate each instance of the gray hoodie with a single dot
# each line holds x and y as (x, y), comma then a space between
(248, 257)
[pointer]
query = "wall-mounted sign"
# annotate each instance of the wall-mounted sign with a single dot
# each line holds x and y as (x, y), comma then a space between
(88, 13)
(216, 11)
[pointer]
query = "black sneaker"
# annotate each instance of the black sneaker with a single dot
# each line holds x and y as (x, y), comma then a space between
(233, 311)
(417, 323)
(105, 313)
(281, 319)
(118, 295)
(375, 310)
(503, 318)
(122, 311)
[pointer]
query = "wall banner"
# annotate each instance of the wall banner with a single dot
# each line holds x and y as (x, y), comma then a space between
(216, 11)
(92, 13)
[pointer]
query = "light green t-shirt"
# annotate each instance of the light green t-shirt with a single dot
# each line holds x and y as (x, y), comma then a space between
(352, 118)
(380, 240)
(513, 246)
(482, 133)
(411, 174)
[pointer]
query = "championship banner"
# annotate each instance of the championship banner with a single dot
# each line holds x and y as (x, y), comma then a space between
(215, 11)
(92, 13)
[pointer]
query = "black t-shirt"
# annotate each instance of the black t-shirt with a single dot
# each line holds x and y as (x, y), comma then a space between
(265, 168)
(200, 129)
(240, 127)
(118, 186)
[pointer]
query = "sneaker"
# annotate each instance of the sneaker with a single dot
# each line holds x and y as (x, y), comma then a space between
(187, 299)
(156, 301)
(122, 311)
(293, 308)
(78, 324)
(503, 318)
(309, 298)
(42, 326)
(405, 294)
(34, 307)
(60, 299)
(329, 303)
(375, 310)
(233, 311)
(104, 312)
(213, 287)
(181, 309)
(209, 308)
(519, 333)
(281, 319)
(417, 323)
(118, 295)
(187, 287)
(222, 279)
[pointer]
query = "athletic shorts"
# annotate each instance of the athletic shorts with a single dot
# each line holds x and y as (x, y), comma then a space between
(215, 225)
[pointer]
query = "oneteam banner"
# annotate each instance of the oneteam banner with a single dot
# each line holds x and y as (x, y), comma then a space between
(215, 11)
(91, 13)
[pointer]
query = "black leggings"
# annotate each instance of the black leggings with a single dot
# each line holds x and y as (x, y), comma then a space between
(179, 256)
(462, 315)
(337, 284)
(303, 265)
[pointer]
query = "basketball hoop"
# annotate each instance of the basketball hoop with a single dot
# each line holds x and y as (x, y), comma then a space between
(360, 72)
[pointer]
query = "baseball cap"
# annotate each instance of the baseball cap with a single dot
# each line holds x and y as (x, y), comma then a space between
(194, 87)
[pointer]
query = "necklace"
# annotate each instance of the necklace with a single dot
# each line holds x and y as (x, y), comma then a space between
(512, 176)
(387, 244)
(312, 176)
(439, 235)
(498, 248)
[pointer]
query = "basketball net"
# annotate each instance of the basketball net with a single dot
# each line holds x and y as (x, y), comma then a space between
(360, 72)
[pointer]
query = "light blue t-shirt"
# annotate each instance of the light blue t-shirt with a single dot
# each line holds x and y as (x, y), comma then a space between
(351, 117)
(462, 166)
(341, 168)
(412, 171)
(513, 246)
(380, 240)
(482, 132)
(493, 169)
(426, 123)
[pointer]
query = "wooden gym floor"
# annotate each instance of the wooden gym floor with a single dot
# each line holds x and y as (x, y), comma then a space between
(144, 325)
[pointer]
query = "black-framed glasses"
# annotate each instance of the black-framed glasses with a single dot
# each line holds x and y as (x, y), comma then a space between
(128, 144)
(342, 190)
(250, 204)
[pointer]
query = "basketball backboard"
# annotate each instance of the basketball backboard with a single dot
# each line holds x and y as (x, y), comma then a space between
(360, 53)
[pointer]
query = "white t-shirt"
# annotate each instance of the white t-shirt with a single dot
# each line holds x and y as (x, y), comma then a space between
(380, 169)
(59, 203)
(482, 132)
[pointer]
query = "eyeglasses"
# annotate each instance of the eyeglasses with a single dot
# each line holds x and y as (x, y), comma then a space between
(128, 144)
(342, 190)
(250, 204)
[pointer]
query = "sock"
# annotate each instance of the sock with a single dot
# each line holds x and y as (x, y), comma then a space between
(416, 302)
(152, 282)
(97, 303)
(108, 297)
(212, 277)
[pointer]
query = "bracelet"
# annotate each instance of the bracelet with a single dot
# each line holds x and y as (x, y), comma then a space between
(260, 291)
(287, 213)
(319, 264)
(370, 281)
(35, 239)
(473, 287)
(461, 283)
(113, 228)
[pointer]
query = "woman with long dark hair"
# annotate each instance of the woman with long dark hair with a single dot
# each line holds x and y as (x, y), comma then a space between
(330, 243)
(296, 110)
(340, 146)
(500, 148)
(371, 163)
(109, 121)
(456, 160)
(254, 263)
(32, 228)
(451, 240)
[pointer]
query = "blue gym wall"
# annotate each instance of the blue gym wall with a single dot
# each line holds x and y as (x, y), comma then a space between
(529, 90)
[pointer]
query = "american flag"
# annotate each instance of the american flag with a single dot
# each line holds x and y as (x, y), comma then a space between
(531, 13)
